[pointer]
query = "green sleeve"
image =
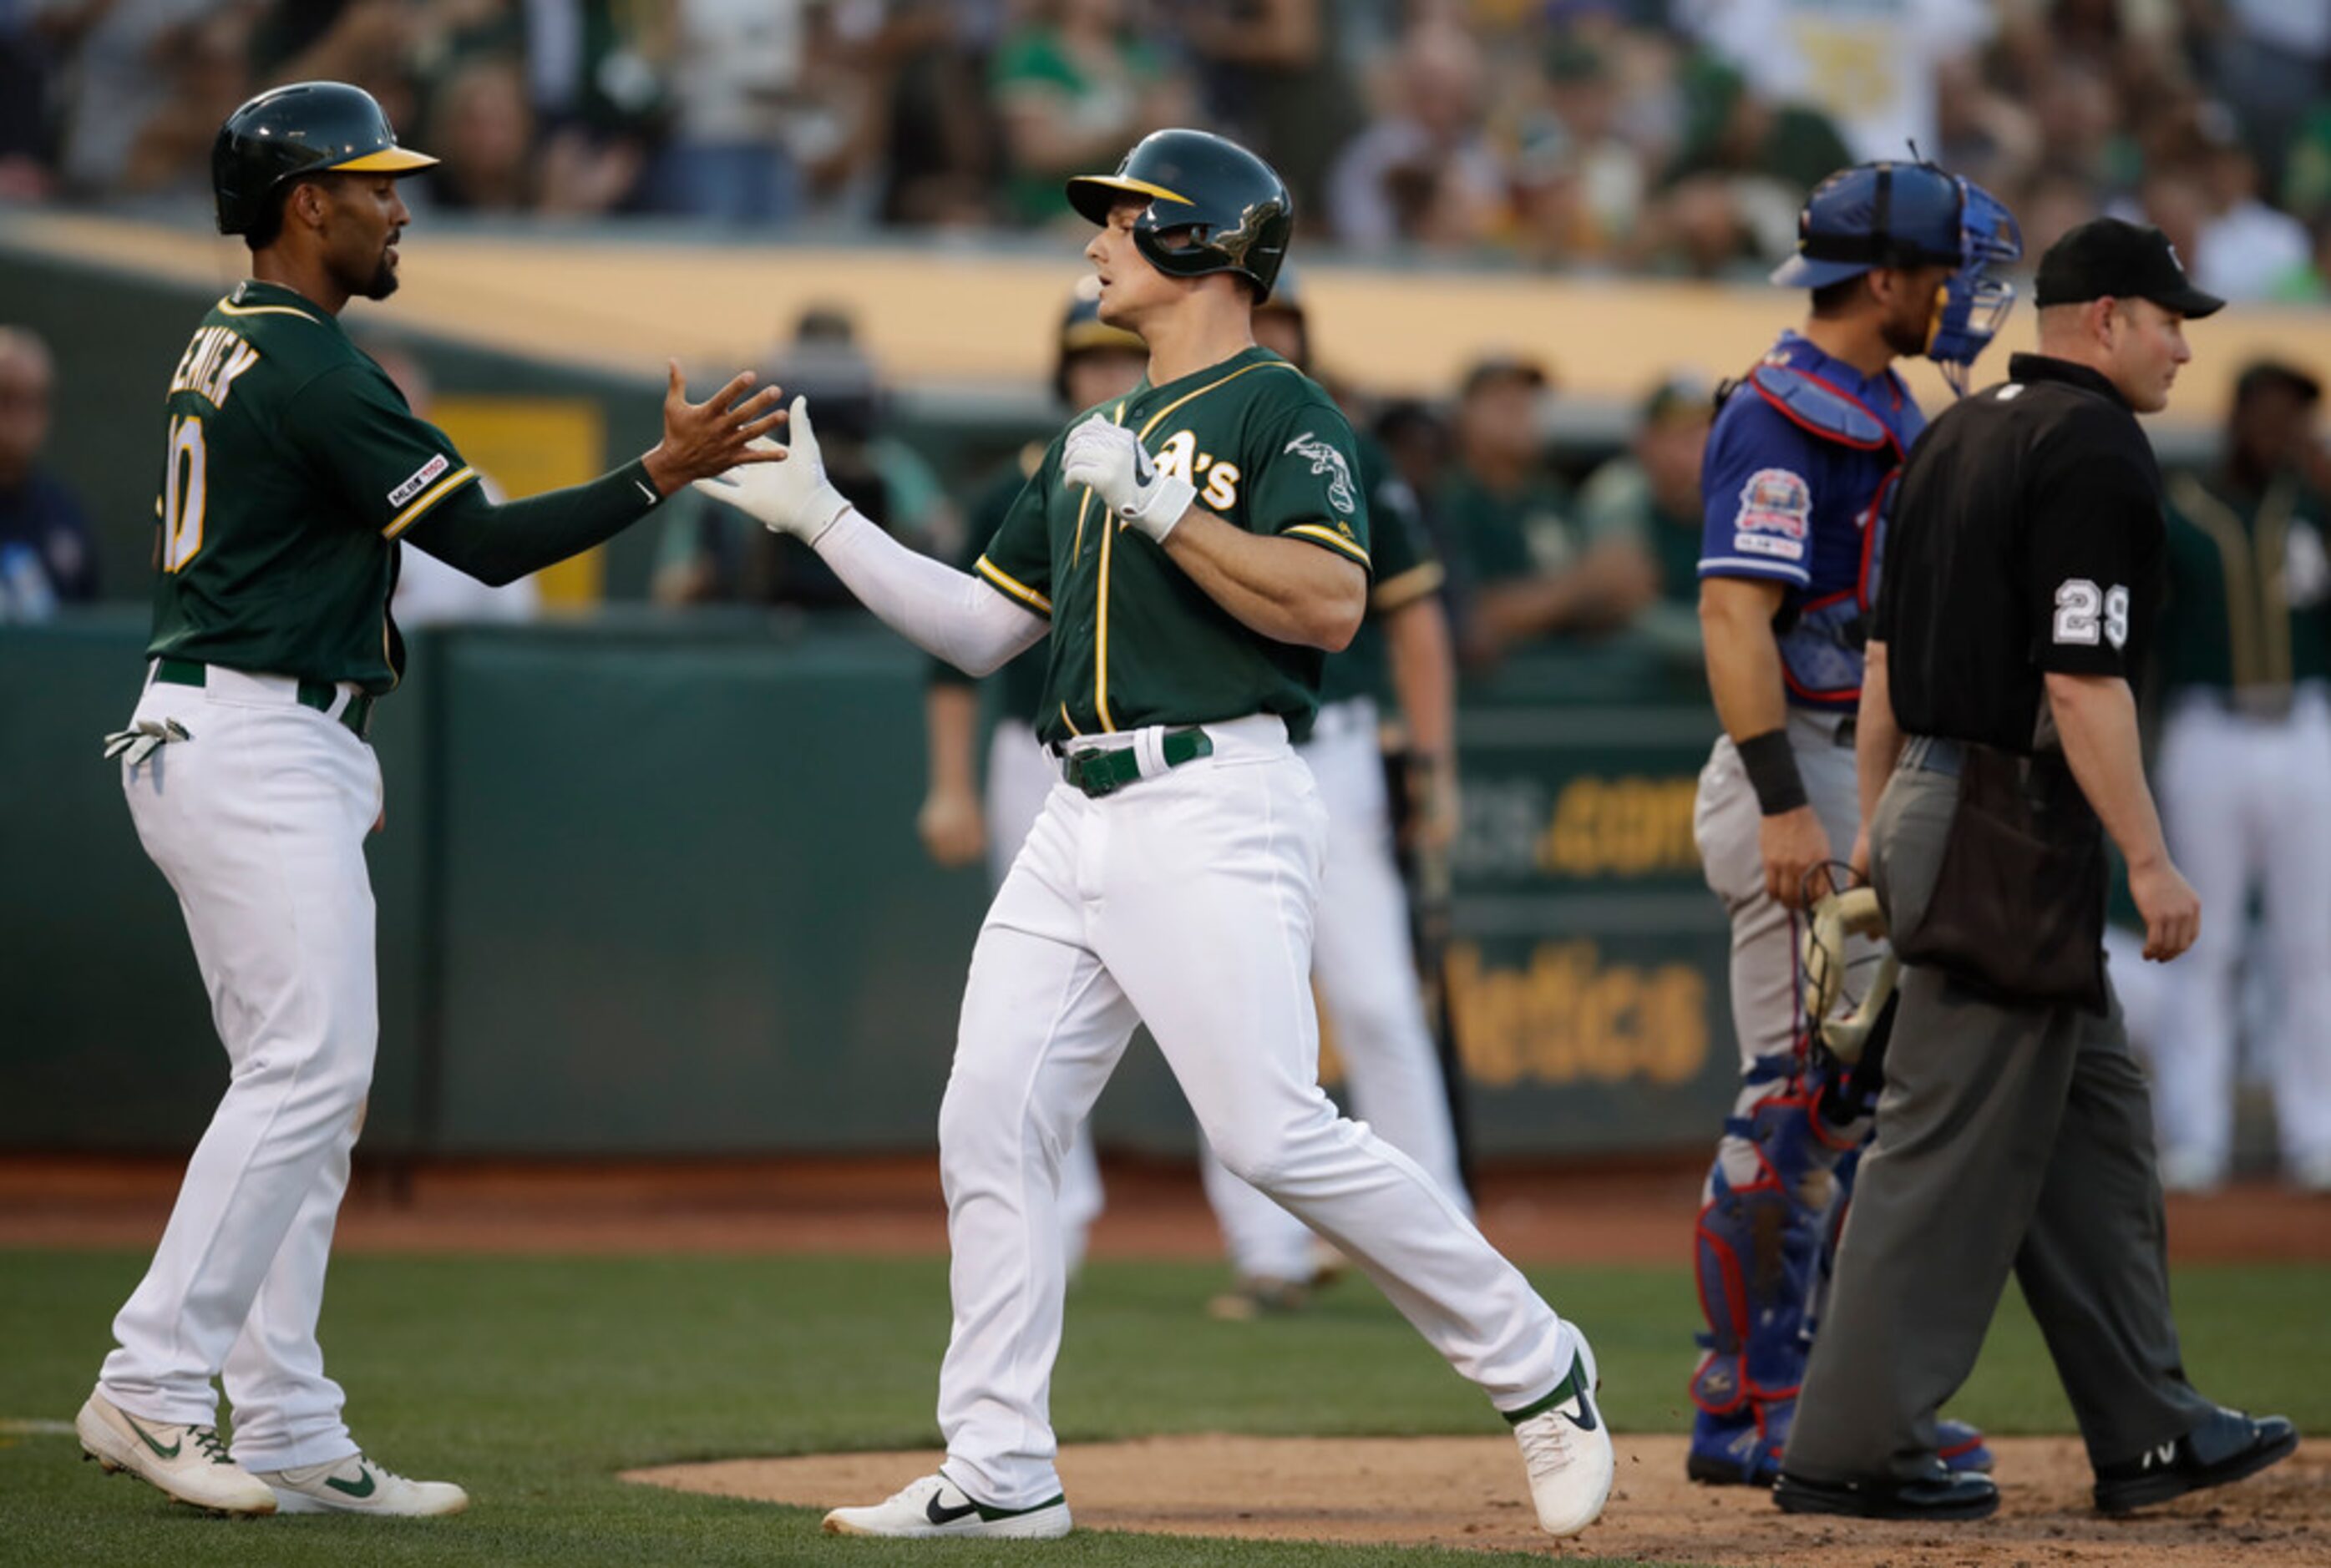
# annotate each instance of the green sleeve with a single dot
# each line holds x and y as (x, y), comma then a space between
(1303, 480)
(1400, 561)
(1018, 561)
(1405, 568)
(500, 543)
(390, 468)
(401, 475)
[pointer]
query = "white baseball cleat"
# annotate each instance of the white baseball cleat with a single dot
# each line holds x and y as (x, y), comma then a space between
(935, 1506)
(357, 1485)
(186, 1463)
(1566, 1448)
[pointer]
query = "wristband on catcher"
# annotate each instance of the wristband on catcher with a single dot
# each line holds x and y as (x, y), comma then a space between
(1772, 769)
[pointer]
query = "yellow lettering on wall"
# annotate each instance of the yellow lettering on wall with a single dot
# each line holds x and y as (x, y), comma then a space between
(1625, 827)
(1567, 1018)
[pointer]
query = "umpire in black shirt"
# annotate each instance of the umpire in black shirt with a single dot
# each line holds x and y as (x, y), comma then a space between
(1997, 743)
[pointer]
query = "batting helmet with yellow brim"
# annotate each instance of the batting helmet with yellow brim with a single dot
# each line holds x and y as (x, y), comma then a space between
(1213, 206)
(289, 133)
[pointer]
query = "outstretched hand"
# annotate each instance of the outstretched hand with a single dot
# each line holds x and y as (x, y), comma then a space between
(703, 439)
(796, 499)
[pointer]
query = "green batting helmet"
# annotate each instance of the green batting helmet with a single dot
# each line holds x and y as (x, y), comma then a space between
(309, 128)
(1214, 206)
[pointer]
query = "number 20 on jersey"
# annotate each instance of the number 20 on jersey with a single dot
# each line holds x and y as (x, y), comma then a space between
(184, 486)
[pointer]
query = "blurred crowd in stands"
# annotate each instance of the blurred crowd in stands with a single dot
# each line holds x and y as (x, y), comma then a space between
(1667, 135)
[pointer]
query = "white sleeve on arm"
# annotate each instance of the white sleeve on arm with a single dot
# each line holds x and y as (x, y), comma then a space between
(949, 614)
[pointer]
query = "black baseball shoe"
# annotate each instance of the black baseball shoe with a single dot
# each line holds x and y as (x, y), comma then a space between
(1945, 1495)
(2225, 1448)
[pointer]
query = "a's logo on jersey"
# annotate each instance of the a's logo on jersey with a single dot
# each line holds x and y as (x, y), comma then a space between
(1326, 460)
(1179, 455)
(1776, 501)
(420, 480)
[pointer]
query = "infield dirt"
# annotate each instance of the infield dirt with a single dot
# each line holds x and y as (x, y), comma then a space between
(1468, 1492)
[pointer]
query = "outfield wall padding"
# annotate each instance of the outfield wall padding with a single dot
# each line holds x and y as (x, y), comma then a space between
(649, 886)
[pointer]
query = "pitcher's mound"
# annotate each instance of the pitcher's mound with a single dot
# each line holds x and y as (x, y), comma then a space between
(1469, 1492)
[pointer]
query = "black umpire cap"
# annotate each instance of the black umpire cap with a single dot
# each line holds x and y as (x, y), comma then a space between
(2110, 258)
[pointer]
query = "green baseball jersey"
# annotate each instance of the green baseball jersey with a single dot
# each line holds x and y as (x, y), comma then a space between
(293, 465)
(1405, 570)
(1134, 641)
(2248, 605)
(1017, 690)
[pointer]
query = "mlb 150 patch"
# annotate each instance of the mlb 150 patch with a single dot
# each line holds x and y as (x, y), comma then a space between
(420, 480)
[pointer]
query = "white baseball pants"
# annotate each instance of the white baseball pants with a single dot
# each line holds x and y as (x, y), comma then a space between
(1020, 775)
(1183, 901)
(259, 823)
(1766, 1011)
(2243, 801)
(1366, 975)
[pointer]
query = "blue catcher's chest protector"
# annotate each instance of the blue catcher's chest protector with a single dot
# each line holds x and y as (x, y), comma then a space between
(1798, 482)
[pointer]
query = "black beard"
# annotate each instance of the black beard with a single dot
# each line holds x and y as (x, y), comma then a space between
(377, 284)
(1906, 342)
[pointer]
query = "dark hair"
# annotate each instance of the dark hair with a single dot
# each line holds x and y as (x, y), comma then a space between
(268, 226)
(1835, 298)
(2273, 375)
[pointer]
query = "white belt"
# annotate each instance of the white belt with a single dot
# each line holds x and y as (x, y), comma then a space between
(1254, 735)
(248, 686)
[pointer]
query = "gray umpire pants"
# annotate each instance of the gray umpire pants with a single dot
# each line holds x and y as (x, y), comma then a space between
(2007, 1137)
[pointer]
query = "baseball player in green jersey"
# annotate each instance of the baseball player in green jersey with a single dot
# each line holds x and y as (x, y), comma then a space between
(293, 471)
(1194, 549)
(2245, 757)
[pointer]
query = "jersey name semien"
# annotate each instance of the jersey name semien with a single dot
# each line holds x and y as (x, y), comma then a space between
(291, 465)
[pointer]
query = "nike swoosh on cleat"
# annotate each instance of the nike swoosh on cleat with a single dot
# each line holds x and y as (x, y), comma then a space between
(360, 1487)
(939, 1515)
(148, 1438)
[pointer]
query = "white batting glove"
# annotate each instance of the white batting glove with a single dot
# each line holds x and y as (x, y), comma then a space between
(792, 497)
(1111, 461)
(139, 740)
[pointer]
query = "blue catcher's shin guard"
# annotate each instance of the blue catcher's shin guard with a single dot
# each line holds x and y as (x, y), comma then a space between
(1758, 1247)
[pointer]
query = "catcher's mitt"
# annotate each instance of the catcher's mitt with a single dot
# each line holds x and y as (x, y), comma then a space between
(1834, 917)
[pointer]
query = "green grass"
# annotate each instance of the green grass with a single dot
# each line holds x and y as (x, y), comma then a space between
(532, 1381)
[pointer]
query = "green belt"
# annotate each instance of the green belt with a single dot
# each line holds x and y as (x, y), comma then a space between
(1101, 773)
(314, 694)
